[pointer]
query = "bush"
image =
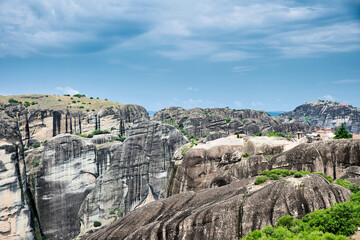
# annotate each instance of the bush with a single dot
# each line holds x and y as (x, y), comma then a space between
(227, 119)
(274, 134)
(36, 145)
(97, 223)
(79, 95)
(112, 212)
(121, 138)
(46, 95)
(12, 100)
(257, 134)
(260, 180)
(67, 95)
(193, 143)
(237, 135)
(81, 107)
(246, 155)
(351, 186)
(119, 213)
(274, 177)
(36, 163)
(183, 150)
(26, 104)
(297, 175)
(328, 178)
(91, 98)
(74, 101)
(286, 221)
(340, 220)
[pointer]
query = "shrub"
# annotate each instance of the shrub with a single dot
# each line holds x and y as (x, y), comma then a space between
(183, 150)
(36, 145)
(121, 138)
(328, 178)
(59, 100)
(193, 143)
(351, 186)
(286, 221)
(112, 212)
(119, 213)
(78, 101)
(46, 95)
(74, 101)
(26, 104)
(87, 110)
(274, 177)
(227, 119)
(36, 163)
(298, 175)
(355, 197)
(83, 103)
(67, 95)
(91, 98)
(97, 223)
(257, 134)
(260, 180)
(79, 95)
(12, 100)
(81, 107)
(246, 155)
(342, 133)
(89, 103)
(93, 110)
(273, 134)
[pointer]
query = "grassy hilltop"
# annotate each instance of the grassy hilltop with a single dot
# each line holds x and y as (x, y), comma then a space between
(56, 102)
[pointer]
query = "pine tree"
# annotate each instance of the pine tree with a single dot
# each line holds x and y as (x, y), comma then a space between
(342, 133)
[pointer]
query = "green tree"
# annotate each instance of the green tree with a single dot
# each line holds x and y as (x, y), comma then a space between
(342, 133)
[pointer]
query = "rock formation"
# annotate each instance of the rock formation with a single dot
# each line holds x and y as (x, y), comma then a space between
(15, 213)
(227, 212)
(326, 114)
(80, 180)
(216, 122)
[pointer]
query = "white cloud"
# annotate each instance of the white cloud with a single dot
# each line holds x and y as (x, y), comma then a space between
(67, 90)
(176, 30)
(230, 56)
(345, 81)
(243, 69)
(192, 89)
(329, 97)
(238, 103)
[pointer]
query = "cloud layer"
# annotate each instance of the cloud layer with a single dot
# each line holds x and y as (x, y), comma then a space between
(218, 31)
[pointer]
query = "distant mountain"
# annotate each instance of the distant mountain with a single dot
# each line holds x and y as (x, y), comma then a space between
(327, 114)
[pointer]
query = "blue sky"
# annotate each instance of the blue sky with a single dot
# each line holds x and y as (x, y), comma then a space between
(264, 55)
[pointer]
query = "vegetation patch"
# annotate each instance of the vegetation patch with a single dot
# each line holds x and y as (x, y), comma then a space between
(246, 155)
(227, 119)
(334, 223)
(276, 174)
(97, 223)
(260, 180)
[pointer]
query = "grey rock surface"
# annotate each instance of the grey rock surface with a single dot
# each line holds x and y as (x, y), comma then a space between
(327, 115)
(143, 158)
(227, 212)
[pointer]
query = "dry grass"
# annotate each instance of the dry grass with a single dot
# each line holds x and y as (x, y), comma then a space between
(56, 102)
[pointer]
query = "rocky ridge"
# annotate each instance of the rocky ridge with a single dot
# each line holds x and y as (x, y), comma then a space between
(327, 114)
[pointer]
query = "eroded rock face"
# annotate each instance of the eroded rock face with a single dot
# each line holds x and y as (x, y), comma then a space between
(218, 122)
(43, 124)
(143, 159)
(331, 157)
(227, 212)
(327, 115)
(15, 215)
(66, 174)
(221, 161)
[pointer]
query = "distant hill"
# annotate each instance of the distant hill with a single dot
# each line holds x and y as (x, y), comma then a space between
(56, 102)
(328, 114)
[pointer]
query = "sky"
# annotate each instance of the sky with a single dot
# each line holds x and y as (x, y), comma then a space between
(258, 54)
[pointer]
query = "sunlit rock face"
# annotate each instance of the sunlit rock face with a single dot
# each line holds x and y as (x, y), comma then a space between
(14, 211)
